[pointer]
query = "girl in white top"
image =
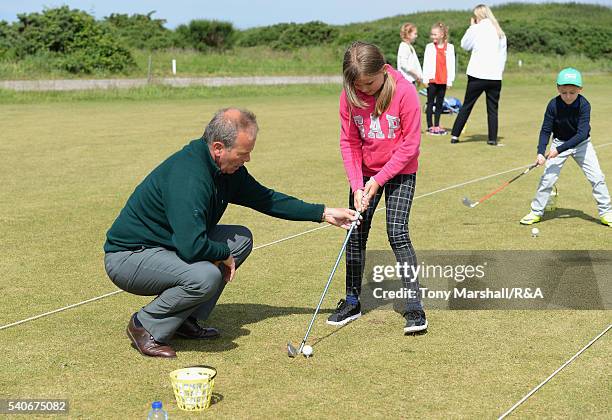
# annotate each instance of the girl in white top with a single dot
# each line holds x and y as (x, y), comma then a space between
(407, 60)
(487, 42)
(438, 73)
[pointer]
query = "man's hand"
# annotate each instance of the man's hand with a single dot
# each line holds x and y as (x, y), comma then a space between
(553, 153)
(370, 190)
(229, 271)
(340, 217)
(540, 160)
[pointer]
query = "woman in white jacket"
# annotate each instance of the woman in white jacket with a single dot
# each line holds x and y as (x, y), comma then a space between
(438, 73)
(487, 42)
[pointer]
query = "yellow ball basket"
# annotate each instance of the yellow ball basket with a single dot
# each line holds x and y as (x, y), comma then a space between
(193, 387)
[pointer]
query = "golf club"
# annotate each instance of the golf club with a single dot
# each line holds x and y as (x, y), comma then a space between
(293, 351)
(471, 204)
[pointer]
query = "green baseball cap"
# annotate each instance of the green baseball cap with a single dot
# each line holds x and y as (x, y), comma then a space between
(569, 76)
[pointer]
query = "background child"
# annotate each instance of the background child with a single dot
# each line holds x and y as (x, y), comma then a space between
(407, 59)
(568, 117)
(380, 137)
(438, 72)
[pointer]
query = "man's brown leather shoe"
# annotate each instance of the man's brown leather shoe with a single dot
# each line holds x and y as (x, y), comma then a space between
(145, 343)
(192, 330)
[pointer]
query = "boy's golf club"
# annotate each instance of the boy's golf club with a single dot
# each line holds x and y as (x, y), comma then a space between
(471, 204)
(291, 350)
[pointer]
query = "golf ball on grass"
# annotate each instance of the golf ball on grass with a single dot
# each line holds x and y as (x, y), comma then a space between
(307, 350)
(535, 232)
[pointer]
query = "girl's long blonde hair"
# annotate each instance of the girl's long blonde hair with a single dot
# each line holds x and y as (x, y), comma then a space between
(363, 59)
(482, 11)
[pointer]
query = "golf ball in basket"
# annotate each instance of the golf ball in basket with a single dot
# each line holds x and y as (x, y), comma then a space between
(535, 232)
(307, 350)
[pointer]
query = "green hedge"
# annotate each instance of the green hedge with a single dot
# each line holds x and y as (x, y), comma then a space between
(550, 38)
(141, 31)
(71, 39)
(290, 36)
(263, 35)
(203, 35)
(7, 41)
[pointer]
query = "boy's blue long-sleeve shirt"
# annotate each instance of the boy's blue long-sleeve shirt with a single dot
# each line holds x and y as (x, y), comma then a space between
(568, 123)
(184, 198)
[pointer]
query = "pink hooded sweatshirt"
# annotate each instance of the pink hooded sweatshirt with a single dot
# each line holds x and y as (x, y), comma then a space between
(381, 147)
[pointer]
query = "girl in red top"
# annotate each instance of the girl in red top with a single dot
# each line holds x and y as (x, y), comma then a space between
(379, 141)
(438, 72)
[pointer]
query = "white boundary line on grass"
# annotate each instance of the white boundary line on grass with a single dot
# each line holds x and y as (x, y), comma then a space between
(533, 391)
(74, 305)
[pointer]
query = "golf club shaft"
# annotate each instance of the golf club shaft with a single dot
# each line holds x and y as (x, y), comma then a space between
(505, 184)
(523, 173)
(331, 276)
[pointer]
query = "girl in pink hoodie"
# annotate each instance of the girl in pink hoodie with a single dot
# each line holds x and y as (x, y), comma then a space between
(379, 141)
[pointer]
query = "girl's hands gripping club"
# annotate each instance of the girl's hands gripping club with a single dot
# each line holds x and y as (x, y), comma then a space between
(368, 194)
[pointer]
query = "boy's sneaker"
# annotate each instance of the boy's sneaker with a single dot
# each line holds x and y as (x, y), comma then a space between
(415, 321)
(344, 313)
(441, 131)
(454, 140)
(530, 219)
(606, 219)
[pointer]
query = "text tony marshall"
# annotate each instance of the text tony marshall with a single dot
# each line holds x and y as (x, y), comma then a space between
(461, 293)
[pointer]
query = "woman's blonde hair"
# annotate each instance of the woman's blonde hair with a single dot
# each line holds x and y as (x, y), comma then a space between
(406, 29)
(482, 11)
(363, 59)
(443, 28)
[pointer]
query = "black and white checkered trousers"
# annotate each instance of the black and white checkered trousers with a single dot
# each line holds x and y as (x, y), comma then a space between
(399, 193)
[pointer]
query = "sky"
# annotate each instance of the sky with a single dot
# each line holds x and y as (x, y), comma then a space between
(249, 13)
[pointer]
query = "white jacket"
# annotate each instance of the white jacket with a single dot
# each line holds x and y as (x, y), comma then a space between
(488, 57)
(429, 63)
(408, 60)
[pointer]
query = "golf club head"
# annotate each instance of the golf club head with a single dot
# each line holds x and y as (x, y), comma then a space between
(291, 351)
(468, 203)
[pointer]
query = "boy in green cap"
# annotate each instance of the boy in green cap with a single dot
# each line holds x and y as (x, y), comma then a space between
(568, 117)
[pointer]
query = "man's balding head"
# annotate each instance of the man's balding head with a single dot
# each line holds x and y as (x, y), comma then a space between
(227, 123)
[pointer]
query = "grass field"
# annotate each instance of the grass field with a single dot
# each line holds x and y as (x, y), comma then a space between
(68, 167)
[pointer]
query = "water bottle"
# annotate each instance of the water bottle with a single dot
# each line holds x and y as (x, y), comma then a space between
(157, 412)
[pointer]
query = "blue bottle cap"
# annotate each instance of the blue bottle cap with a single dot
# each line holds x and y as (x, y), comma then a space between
(156, 404)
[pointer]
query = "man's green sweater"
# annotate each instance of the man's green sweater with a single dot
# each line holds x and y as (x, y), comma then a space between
(182, 199)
